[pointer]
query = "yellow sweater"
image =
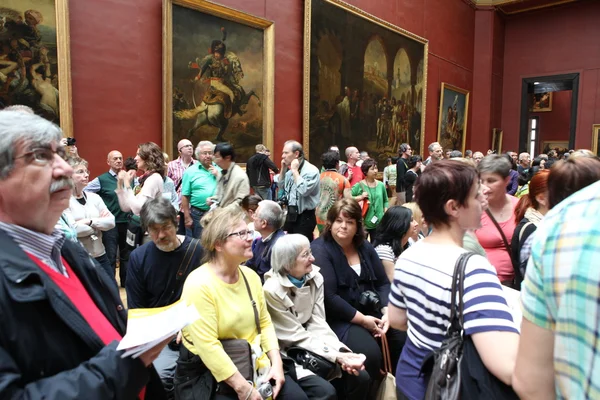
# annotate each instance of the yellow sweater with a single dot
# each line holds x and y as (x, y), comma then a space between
(225, 313)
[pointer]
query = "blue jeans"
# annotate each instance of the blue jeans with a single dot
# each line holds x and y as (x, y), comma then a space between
(105, 264)
(263, 191)
(196, 231)
(114, 239)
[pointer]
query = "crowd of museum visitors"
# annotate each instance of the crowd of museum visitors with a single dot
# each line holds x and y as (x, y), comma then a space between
(307, 279)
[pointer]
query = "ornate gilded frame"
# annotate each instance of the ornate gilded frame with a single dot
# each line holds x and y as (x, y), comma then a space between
(230, 14)
(441, 114)
(497, 136)
(64, 67)
(307, 57)
(595, 138)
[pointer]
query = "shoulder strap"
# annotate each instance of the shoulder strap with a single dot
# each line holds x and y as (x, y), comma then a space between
(187, 259)
(458, 289)
(523, 230)
(506, 245)
(252, 301)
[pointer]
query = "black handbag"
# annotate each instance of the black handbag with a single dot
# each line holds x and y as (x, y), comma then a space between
(312, 362)
(135, 233)
(456, 369)
(444, 363)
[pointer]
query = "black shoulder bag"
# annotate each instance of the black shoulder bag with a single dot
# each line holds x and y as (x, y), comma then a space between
(444, 363)
(456, 369)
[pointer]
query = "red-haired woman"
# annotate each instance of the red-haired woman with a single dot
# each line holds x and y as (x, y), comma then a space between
(528, 213)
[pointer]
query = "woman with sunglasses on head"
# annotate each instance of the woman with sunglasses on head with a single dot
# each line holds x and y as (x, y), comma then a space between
(90, 215)
(221, 290)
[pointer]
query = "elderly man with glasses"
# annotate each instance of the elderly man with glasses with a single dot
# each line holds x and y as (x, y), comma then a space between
(199, 184)
(61, 318)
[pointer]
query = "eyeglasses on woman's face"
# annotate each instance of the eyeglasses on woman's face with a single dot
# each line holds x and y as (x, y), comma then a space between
(244, 235)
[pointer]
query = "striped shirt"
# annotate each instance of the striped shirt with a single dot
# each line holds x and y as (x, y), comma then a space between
(45, 247)
(175, 170)
(386, 253)
(561, 291)
(422, 286)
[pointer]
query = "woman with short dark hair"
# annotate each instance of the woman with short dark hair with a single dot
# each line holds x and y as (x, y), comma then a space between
(356, 286)
(373, 192)
(449, 196)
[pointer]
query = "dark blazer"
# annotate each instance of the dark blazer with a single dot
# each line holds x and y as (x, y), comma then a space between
(342, 286)
(47, 350)
(258, 167)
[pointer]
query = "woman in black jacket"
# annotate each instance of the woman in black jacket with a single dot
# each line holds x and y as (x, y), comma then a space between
(356, 286)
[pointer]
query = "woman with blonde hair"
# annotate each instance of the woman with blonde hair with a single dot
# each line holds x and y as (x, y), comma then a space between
(231, 304)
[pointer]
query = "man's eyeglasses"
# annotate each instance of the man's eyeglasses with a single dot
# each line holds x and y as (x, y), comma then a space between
(243, 234)
(183, 147)
(43, 155)
(206, 153)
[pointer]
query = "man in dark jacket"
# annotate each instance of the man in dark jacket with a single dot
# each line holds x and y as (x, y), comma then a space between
(257, 168)
(61, 314)
(268, 220)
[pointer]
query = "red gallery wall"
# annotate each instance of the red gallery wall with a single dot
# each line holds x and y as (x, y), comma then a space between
(116, 65)
(551, 42)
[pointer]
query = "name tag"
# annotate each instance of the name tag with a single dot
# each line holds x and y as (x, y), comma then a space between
(374, 219)
(130, 239)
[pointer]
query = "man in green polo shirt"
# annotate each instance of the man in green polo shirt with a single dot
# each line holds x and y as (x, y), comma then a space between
(199, 183)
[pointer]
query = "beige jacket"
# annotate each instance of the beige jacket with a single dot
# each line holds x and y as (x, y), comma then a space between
(232, 187)
(298, 316)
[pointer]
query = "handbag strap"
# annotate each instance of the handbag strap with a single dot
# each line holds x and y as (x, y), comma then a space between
(458, 289)
(253, 302)
(385, 350)
(187, 259)
(518, 276)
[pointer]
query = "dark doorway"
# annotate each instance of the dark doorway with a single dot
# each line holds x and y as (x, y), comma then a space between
(547, 84)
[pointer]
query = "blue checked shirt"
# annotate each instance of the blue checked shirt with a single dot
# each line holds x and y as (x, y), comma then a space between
(561, 291)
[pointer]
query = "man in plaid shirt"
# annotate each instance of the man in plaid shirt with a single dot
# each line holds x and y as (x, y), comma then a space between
(175, 170)
(560, 335)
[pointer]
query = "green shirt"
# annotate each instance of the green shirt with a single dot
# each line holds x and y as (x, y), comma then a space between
(198, 184)
(378, 202)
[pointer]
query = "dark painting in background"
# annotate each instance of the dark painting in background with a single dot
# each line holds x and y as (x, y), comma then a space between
(452, 120)
(364, 82)
(33, 58)
(219, 72)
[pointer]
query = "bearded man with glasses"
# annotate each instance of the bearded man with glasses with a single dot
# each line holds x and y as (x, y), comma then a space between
(52, 286)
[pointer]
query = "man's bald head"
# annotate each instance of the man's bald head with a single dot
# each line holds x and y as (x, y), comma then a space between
(185, 148)
(115, 161)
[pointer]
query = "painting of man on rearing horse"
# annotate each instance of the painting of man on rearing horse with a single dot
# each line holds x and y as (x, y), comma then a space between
(217, 99)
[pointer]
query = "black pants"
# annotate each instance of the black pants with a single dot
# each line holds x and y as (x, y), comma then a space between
(352, 387)
(114, 239)
(305, 224)
(309, 388)
(360, 340)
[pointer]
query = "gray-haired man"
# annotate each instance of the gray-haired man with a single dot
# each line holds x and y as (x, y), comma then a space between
(52, 286)
(157, 271)
(268, 219)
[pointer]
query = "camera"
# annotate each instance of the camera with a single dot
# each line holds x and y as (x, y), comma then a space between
(71, 141)
(283, 201)
(370, 302)
(265, 390)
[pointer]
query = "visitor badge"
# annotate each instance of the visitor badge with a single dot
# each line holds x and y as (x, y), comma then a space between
(374, 219)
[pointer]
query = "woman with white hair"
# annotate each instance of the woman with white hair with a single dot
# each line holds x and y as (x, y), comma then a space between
(294, 294)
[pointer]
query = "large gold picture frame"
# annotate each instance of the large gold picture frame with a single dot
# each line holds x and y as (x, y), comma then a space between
(191, 95)
(365, 82)
(453, 117)
(497, 134)
(37, 73)
(595, 138)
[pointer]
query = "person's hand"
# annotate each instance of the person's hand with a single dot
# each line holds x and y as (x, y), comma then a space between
(149, 356)
(352, 363)
(386, 323)
(489, 152)
(373, 325)
(188, 222)
(209, 200)
(349, 174)
(105, 213)
(364, 195)
(276, 374)
(179, 336)
(295, 165)
(63, 142)
(213, 171)
(254, 395)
